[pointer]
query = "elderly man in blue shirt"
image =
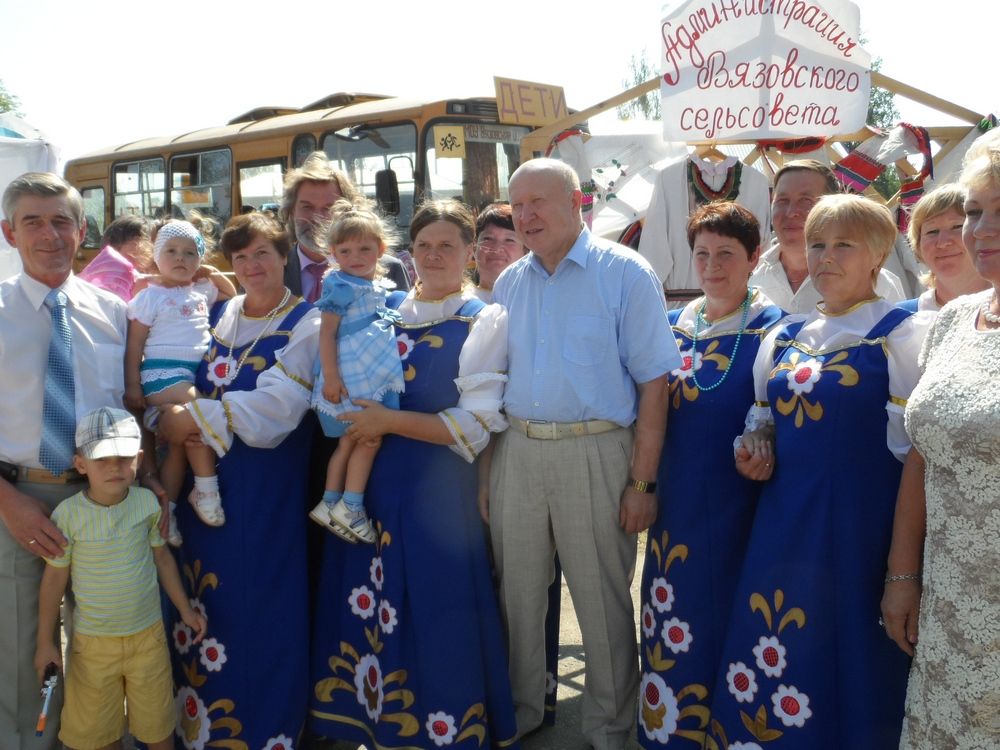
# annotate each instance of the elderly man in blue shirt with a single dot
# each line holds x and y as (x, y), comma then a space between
(589, 352)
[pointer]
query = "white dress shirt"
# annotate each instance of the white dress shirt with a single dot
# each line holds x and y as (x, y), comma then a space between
(770, 278)
(98, 327)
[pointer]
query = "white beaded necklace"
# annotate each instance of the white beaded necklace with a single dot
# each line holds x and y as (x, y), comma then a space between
(991, 317)
(271, 315)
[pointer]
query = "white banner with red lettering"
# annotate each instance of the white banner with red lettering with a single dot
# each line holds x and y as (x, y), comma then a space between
(760, 69)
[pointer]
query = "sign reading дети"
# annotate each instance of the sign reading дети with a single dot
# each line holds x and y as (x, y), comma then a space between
(762, 69)
(527, 103)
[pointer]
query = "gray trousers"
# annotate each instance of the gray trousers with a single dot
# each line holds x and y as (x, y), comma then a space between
(20, 575)
(549, 495)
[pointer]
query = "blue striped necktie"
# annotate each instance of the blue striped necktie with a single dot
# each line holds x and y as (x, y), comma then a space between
(59, 404)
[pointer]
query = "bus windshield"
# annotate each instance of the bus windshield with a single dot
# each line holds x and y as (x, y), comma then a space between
(492, 153)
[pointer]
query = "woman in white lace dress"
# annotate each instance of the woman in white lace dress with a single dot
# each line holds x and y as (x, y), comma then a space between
(948, 511)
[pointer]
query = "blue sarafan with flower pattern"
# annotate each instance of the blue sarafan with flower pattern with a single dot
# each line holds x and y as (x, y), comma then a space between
(244, 686)
(805, 663)
(408, 650)
(695, 547)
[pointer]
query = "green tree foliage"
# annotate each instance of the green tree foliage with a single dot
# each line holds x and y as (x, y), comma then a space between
(9, 102)
(647, 106)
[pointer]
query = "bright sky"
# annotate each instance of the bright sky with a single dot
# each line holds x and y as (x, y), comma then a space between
(106, 72)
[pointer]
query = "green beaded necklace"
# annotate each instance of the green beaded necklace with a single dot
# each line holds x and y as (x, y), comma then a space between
(700, 316)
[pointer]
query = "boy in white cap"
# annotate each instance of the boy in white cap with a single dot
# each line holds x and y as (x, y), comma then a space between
(114, 554)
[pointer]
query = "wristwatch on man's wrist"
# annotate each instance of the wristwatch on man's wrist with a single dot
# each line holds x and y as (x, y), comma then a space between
(640, 486)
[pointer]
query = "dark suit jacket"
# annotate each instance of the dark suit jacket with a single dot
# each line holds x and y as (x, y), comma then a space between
(396, 272)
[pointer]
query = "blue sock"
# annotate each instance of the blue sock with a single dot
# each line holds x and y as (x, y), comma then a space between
(330, 497)
(355, 501)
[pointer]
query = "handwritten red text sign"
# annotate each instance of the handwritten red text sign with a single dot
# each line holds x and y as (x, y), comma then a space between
(762, 69)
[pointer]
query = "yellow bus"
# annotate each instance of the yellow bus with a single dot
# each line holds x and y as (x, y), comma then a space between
(386, 145)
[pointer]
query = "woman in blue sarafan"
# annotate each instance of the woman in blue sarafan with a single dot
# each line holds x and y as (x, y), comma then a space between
(408, 649)
(806, 663)
(245, 686)
(695, 547)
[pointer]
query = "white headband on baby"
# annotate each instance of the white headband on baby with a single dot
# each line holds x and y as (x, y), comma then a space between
(173, 229)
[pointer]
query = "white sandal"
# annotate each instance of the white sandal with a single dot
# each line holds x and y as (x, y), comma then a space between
(355, 523)
(208, 507)
(321, 514)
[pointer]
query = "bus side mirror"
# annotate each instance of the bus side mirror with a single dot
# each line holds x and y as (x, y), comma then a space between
(387, 192)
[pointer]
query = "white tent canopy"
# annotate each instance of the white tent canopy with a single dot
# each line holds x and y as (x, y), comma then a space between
(23, 148)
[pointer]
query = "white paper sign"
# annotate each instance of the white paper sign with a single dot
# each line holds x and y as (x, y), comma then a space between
(760, 69)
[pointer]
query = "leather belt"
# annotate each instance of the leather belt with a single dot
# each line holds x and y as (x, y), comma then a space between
(14, 474)
(540, 430)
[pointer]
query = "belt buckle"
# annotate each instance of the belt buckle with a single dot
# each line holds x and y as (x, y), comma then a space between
(539, 429)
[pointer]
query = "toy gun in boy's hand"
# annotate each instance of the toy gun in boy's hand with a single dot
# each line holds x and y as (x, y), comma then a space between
(48, 687)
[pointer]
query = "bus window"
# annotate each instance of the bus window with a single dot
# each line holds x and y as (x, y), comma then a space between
(140, 188)
(491, 156)
(260, 184)
(93, 209)
(302, 146)
(204, 182)
(362, 151)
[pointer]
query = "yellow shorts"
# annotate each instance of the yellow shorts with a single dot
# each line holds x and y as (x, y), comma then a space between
(105, 671)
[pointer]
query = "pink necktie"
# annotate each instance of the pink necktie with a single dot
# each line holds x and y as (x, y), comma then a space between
(316, 270)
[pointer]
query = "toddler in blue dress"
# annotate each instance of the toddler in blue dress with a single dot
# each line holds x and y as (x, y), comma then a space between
(359, 359)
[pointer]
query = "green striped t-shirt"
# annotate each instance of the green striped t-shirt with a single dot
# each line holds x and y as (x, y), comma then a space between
(110, 555)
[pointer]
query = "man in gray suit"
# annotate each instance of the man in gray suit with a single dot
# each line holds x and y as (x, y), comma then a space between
(310, 192)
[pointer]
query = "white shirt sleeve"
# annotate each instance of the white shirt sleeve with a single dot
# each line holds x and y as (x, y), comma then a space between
(903, 345)
(142, 307)
(266, 415)
(482, 372)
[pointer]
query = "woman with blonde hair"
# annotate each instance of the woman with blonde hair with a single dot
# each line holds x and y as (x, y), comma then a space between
(935, 234)
(805, 663)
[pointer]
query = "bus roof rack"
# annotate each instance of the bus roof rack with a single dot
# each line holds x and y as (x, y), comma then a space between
(342, 99)
(262, 113)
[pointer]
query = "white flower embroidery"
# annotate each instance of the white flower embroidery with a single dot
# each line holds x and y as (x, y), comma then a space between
(661, 595)
(376, 572)
(676, 635)
(690, 364)
(441, 728)
(212, 655)
(550, 683)
(368, 685)
(362, 601)
(182, 638)
(219, 371)
(804, 375)
(405, 344)
(281, 742)
(648, 621)
(192, 719)
(387, 617)
(742, 682)
(791, 706)
(658, 711)
(770, 656)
